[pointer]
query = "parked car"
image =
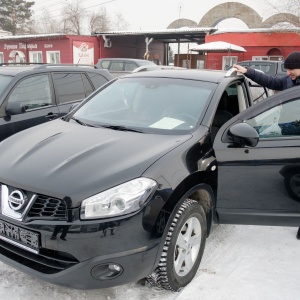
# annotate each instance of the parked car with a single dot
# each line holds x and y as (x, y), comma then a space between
(122, 66)
(270, 67)
(155, 67)
(34, 94)
(129, 183)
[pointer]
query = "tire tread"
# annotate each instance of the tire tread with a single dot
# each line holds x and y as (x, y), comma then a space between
(159, 276)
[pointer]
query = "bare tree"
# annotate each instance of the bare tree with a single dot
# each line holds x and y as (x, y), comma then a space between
(47, 23)
(73, 21)
(99, 21)
(76, 20)
(283, 13)
(119, 23)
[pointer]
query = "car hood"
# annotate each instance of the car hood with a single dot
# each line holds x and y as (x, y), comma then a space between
(62, 159)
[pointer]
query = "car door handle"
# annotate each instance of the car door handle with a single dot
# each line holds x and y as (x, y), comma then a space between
(51, 116)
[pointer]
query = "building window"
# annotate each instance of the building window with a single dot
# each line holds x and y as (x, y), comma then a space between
(1, 57)
(228, 61)
(200, 64)
(53, 57)
(35, 56)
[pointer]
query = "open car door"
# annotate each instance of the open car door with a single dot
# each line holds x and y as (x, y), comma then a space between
(258, 158)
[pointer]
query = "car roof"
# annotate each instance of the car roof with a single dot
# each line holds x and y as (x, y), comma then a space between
(192, 74)
(154, 67)
(262, 61)
(130, 59)
(14, 69)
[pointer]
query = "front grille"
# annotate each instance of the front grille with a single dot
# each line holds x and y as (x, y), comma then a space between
(45, 206)
(46, 262)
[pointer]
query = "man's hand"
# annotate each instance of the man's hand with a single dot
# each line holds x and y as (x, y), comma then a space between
(240, 69)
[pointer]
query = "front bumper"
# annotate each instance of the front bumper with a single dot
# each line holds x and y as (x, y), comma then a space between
(135, 264)
(86, 254)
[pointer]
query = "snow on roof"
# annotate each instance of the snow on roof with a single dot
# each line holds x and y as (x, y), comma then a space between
(218, 47)
(210, 30)
(30, 36)
(160, 31)
(249, 30)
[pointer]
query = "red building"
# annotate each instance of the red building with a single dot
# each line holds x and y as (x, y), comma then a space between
(61, 48)
(260, 44)
(49, 48)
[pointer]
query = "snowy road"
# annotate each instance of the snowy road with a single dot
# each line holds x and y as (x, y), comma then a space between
(239, 263)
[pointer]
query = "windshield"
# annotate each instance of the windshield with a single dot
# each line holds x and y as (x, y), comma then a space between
(151, 104)
(4, 81)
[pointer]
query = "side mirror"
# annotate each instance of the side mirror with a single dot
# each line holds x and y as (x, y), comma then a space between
(243, 134)
(14, 108)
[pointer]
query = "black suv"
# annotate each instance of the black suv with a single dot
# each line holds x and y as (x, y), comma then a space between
(34, 94)
(270, 67)
(128, 184)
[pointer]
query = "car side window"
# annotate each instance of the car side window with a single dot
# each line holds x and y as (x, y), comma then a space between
(280, 121)
(283, 69)
(97, 79)
(258, 92)
(105, 64)
(87, 85)
(116, 66)
(68, 87)
(232, 103)
(266, 68)
(130, 66)
(33, 92)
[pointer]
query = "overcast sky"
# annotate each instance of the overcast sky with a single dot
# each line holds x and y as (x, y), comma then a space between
(154, 14)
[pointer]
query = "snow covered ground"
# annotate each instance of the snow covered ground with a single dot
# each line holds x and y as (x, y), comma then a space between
(239, 263)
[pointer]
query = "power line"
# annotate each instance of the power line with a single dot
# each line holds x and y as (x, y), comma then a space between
(87, 8)
(48, 6)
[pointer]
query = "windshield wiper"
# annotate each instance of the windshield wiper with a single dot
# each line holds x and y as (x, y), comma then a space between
(114, 127)
(122, 128)
(80, 122)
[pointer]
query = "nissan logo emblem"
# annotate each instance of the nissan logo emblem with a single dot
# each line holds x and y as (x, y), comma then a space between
(16, 200)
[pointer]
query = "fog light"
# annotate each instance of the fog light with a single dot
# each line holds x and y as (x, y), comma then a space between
(107, 271)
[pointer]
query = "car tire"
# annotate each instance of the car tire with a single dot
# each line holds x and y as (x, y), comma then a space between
(292, 185)
(183, 248)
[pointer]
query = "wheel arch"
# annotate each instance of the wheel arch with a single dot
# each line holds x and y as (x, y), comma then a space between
(202, 193)
(201, 187)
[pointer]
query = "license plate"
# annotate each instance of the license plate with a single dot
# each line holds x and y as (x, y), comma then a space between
(19, 237)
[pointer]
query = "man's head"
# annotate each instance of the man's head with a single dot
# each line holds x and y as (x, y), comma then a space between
(292, 65)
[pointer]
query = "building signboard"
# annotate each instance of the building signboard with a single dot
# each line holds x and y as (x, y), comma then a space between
(83, 52)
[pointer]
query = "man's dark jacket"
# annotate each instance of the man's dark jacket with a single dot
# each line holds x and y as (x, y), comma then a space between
(268, 81)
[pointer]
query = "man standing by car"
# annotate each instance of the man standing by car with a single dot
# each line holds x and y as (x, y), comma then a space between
(292, 65)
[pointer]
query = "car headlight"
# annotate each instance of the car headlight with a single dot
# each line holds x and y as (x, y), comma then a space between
(120, 200)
